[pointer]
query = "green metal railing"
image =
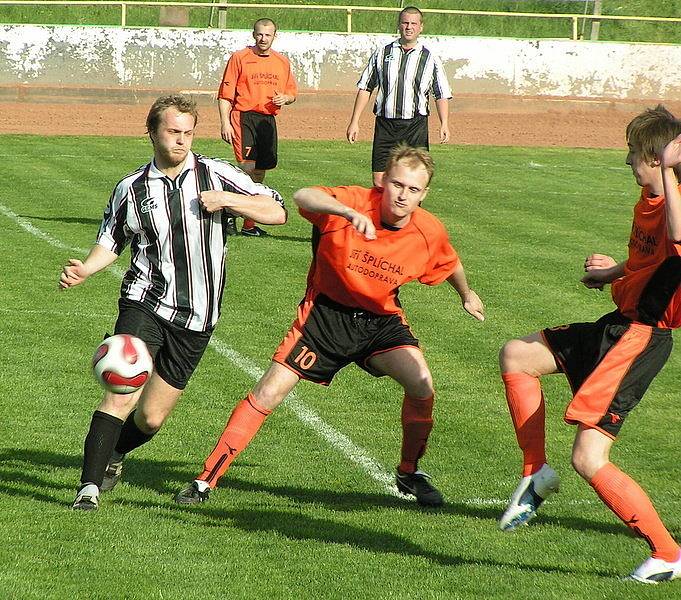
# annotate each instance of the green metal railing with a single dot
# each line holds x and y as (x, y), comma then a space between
(222, 9)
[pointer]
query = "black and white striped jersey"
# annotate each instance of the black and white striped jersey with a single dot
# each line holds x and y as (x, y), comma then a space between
(404, 79)
(177, 249)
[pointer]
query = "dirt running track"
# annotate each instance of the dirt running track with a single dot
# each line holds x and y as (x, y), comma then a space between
(494, 120)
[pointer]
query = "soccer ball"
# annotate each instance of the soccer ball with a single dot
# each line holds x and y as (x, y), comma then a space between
(122, 364)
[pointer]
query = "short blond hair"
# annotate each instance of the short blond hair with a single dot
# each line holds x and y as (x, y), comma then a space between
(651, 131)
(183, 104)
(413, 157)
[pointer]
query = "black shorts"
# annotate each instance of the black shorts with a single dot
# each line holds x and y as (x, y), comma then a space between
(609, 364)
(255, 138)
(327, 336)
(176, 351)
(390, 132)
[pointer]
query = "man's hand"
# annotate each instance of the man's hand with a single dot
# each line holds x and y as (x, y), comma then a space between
(473, 305)
(74, 273)
(212, 200)
(444, 134)
(280, 99)
(362, 224)
(671, 155)
(598, 261)
(595, 280)
(227, 133)
(598, 268)
(352, 132)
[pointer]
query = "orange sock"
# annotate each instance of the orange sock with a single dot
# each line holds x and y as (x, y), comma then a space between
(623, 496)
(243, 424)
(526, 404)
(417, 423)
(249, 223)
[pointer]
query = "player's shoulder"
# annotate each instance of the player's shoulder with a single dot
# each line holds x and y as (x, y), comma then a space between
(427, 51)
(127, 181)
(279, 56)
(237, 57)
(428, 223)
(239, 54)
(347, 191)
(219, 165)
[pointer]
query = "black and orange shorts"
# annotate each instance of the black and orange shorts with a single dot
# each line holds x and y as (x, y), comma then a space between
(255, 138)
(609, 365)
(327, 336)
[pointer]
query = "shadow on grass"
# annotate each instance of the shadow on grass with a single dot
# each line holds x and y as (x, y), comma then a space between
(303, 528)
(32, 468)
(77, 220)
(286, 238)
(21, 474)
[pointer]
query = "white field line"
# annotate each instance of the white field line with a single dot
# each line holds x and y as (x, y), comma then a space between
(309, 417)
(306, 415)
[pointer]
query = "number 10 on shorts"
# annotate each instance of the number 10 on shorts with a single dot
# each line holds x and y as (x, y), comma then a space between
(306, 358)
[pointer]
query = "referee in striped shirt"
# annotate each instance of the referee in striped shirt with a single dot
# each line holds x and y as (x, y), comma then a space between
(405, 73)
(173, 213)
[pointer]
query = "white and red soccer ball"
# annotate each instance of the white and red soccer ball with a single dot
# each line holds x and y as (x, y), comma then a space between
(122, 364)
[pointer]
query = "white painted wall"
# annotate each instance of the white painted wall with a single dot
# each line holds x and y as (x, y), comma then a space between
(194, 59)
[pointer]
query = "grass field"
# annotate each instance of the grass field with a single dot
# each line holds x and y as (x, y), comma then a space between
(307, 510)
(382, 22)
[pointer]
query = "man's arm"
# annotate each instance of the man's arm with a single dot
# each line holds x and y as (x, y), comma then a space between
(76, 271)
(317, 201)
(289, 90)
(260, 207)
(671, 159)
(469, 299)
(361, 100)
(226, 129)
(442, 107)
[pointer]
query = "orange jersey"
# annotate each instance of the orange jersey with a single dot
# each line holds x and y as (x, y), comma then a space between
(649, 248)
(367, 274)
(250, 81)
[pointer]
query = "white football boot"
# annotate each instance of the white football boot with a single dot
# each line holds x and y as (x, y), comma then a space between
(530, 493)
(87, 498)
(653, 570)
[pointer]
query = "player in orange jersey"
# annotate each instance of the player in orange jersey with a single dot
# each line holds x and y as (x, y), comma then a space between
(256, 84)
(610, 363)
(367, 243)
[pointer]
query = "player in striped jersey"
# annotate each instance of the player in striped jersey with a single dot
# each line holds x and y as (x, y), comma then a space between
(610, 363)
(404, 73)
(173, 213)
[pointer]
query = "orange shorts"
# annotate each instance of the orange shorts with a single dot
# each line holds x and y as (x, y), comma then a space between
(610, 365)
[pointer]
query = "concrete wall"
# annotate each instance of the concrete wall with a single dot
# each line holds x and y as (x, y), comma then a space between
(173, 59)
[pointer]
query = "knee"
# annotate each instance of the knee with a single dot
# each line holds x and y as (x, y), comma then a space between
(149, 422)
(586, 463)
(511, 356)
(268, 395)
(118, 405)
(420, 386)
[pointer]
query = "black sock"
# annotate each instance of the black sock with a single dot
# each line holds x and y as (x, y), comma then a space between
(131, 437)
(99, 443)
